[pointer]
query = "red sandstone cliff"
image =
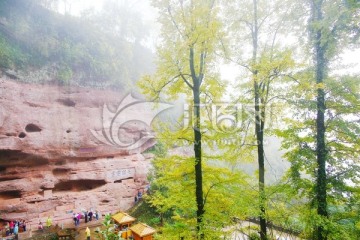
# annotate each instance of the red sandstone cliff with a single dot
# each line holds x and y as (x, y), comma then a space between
(50, 163)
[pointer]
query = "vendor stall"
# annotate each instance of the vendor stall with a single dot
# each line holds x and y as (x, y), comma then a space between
(123, 221)
(142, 231)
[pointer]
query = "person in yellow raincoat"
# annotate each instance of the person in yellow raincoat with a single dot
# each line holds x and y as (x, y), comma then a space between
(88, 234)
(48, 222)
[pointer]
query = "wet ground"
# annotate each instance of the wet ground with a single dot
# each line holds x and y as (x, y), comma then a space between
(93, 225)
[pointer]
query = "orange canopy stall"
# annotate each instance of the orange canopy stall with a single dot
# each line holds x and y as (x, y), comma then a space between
(123, 219)
(142, 231)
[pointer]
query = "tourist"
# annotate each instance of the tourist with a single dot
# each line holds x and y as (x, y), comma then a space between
(40, 226)
(139, 195)
(86, 216)
(88, 234)
(48, 222)
(7, 229)
(16, 229)
(24, 225)
(147, 189)
(75, 219)
(97, 215)
(78, 218)
(90, 214)
(11, 225)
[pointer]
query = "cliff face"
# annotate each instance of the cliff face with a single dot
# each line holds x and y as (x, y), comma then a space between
(50, 162)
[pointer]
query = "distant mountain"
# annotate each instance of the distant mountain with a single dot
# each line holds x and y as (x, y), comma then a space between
(42, 46)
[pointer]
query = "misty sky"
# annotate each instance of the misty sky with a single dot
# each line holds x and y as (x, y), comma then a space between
(143, 6)
(350, 58)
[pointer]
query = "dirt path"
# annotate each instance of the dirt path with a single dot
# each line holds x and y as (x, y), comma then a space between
(92, 226)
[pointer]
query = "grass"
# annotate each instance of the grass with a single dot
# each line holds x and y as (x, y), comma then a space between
(145, 213)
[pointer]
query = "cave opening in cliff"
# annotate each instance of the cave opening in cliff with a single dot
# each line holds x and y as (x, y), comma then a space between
(61, 171)
(60, 163)
(67, 102)
(22, 135)
(5, 195)
(17, 158)
(10, 134)
(32, 128)
(78, 185)
(9, 178)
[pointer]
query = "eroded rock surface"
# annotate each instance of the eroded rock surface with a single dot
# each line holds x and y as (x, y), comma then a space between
(51, 164)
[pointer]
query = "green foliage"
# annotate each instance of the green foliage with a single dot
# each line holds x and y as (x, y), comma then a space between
(186, 25)
(69, 50)
(11, 56)
(342, 143)
(190, 32)
(298, 130)
(172, 192)
(159, 149)
(144, 212)
(108, 230)
(329, 34)
(266, 66)
(254, 236)
(65, 74)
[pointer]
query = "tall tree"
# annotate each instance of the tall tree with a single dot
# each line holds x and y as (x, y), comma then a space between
(320, 74)
(259, 123)
(172, 186)
(190, 30)
(259, 23)
(342, 144)
(325, 37)
(331, 26)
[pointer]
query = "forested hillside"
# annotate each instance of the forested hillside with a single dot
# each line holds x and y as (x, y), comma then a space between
(276, 144)
(40, 45)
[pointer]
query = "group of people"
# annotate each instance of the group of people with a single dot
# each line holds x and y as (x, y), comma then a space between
(12, 227)
(48, 223)
(87, 215)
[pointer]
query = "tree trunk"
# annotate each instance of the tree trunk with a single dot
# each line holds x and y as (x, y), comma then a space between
(197, 143)
(198, 168)
(259, 129)
(321, 153)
